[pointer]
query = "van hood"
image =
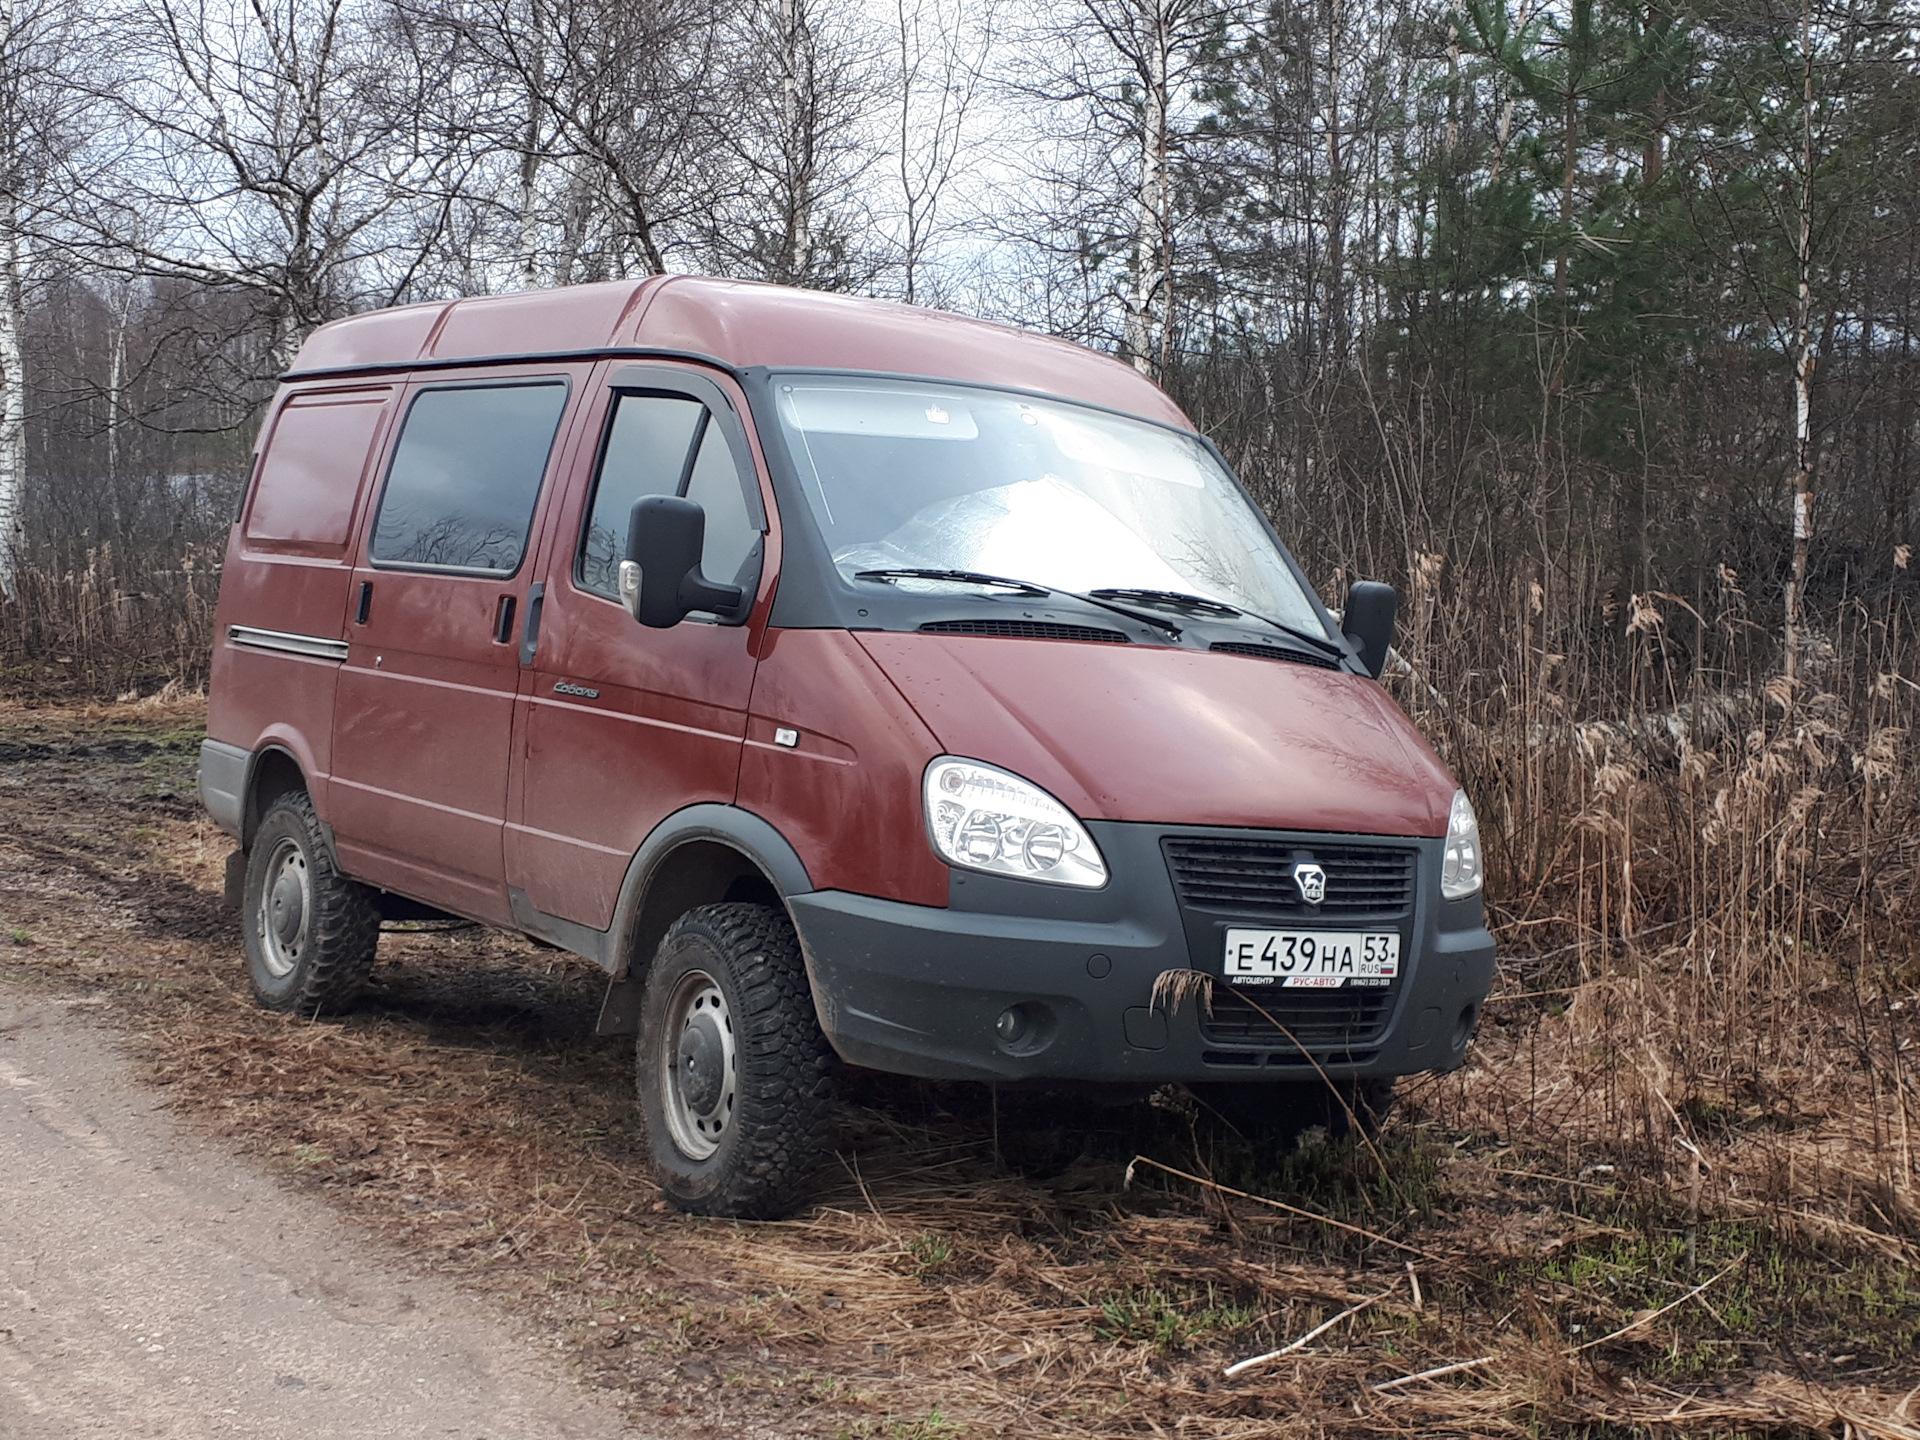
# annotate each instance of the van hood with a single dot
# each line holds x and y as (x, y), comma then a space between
(1175, 737)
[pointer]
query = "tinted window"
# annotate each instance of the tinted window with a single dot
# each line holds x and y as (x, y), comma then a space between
(465, 477)
(666, 445)
(311, 475)
(646, 454)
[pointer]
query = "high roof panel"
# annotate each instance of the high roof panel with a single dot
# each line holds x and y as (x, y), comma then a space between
(378, 337)
(740, 324)
(745, 323)
(535, 322)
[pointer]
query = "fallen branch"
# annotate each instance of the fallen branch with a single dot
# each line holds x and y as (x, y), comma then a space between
(1433, 1374)
(1241, 1367)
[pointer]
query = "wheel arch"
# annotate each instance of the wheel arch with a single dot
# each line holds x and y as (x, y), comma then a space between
(274, 771)
(702, 855)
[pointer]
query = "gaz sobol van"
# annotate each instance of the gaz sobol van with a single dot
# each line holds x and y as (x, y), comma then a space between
(857, 685)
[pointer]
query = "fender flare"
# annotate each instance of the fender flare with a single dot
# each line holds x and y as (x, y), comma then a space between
(228, 775)
(746, 834)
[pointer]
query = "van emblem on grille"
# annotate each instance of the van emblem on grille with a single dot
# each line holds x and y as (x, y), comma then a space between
(1312, 881)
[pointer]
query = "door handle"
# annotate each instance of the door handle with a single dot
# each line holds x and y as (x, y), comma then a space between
(503, 621)
(530, 635)
(363, 607)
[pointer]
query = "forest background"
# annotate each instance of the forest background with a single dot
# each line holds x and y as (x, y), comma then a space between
(1589, 324)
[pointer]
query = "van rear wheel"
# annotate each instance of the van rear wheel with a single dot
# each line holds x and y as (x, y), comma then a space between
(734, 1074)
(311, 932)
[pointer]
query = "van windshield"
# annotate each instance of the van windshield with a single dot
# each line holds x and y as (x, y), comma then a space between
(904, 475)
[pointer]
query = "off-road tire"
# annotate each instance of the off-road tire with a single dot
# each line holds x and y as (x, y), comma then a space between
(777, 1131)
(328, 967)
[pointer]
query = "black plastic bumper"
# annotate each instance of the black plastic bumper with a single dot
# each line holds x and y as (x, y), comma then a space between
(921, 991)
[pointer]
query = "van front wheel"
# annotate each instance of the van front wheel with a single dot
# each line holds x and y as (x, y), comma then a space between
(310, 931)
(734, 1074)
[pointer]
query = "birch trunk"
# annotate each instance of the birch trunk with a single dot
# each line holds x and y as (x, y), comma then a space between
(1806, 356)
(909, 27)
(797, 141)
(528, 200)
(13, 391)
(13, 379)
(1150, 223)
(1337, 307)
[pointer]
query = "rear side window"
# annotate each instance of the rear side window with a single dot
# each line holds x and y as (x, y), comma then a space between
(310, 477)
(465, 477)
(666, 445)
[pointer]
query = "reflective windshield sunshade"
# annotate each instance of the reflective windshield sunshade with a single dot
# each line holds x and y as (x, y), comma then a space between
(903, 475)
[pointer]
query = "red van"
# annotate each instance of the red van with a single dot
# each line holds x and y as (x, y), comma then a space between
(854, 683)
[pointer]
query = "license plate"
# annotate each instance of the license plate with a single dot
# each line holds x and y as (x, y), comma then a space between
(1312, 959)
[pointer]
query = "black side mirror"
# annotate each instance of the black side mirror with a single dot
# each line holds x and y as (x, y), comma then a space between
(1368, 622)
(660, 579)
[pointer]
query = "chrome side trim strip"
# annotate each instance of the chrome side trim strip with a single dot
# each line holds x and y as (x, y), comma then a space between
(313, 645)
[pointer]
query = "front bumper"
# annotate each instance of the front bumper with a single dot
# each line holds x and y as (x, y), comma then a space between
(920, 991)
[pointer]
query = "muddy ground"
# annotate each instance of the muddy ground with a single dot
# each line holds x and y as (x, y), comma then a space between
(1022, 1266)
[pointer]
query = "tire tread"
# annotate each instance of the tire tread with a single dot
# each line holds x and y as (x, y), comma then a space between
(344, 929)
(786, 1065)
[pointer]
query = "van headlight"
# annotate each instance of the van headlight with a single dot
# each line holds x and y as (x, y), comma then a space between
(1461, 871)
(985, 818)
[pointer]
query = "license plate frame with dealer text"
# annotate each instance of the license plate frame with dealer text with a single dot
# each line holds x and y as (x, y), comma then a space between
(1312, 959)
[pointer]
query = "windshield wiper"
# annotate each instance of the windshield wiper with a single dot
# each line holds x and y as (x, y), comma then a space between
(1208, 606)
(959, 577)
(975, 577)
(1170, 597)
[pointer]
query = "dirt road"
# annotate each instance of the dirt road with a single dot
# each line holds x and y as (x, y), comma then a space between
(153, 1285)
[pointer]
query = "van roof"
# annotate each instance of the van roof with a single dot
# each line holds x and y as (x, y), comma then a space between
(736, 323)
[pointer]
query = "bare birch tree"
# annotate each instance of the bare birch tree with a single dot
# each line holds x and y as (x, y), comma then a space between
(803, 86)
(615, 114)
(13, 379)
(1805, 356)
(274, 152)
(1818, 54)
(1118, 75)
(40, 104)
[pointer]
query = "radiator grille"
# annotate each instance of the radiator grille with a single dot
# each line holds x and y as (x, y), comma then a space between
(1024, 629)
(1275, 652)
(1319, 1020)
(1255, 878)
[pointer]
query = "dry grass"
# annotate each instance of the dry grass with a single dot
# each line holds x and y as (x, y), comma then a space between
(114, 624)
(1698, 1156)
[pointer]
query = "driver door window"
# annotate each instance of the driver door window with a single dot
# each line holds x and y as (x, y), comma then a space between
(665, 445)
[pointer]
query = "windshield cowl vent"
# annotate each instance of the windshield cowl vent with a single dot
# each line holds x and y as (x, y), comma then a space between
(1024, 630)
(1275, 652)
